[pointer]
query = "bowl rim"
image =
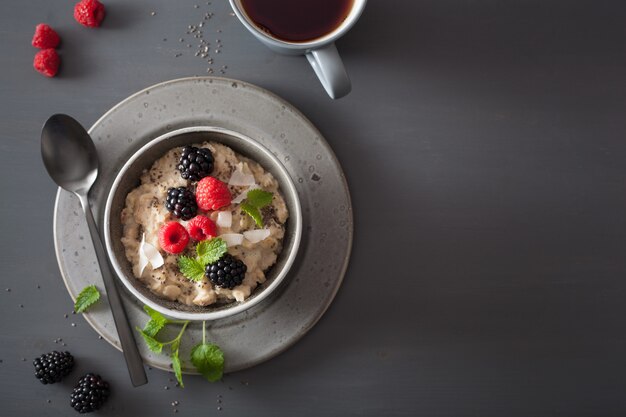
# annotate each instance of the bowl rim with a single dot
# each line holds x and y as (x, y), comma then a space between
(295, 212)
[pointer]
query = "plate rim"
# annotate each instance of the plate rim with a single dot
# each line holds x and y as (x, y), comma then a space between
(323, 143)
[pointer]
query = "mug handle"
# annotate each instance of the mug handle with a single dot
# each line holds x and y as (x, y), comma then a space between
(329, 68)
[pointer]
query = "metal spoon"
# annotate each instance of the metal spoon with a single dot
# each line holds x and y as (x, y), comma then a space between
(71, 160)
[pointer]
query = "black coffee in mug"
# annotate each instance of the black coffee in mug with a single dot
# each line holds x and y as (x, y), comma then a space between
(297, 20)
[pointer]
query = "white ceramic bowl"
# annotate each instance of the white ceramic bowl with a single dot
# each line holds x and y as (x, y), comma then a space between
(129, 177)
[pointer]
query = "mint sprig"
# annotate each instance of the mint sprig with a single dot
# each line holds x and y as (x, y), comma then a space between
(207, 358)
(86, 298)
(255, 200)
(150, 331)
(207, 252)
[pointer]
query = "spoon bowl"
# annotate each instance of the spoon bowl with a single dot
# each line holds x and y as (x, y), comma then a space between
(69, 154)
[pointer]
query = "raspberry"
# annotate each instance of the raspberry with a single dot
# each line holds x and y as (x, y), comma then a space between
(47, 62)
(45, 37)
(212, 194)
(173, 237)
(201, 228)
(89, 13)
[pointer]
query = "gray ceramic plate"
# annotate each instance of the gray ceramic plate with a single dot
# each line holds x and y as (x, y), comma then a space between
(270, 327)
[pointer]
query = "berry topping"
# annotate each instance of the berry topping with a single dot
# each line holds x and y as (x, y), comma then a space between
(90, 393)
(181, 203)
(89, 13)
(227, 272)
(47, 62)
(173, 237)
(52, 367)
(201, 228)
(212, 194)
(195, 163)
(45, 37)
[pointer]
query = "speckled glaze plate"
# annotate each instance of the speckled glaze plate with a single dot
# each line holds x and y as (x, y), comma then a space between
(270, 327)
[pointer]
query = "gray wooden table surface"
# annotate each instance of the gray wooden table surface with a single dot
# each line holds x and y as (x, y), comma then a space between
(485, 147)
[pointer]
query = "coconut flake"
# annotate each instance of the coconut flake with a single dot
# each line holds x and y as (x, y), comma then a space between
(224, 219)
(243, 195)
(255, 236)
(148, 254)
(232, 239)
(239, 178)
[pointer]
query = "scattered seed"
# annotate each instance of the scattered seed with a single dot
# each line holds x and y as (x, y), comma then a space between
(21, 305)
(177, 55)
(73, 324)
(8, 290)
(23, 359)
(166, 387)
(100, 337)
(219, 408)
(181, 40)
(48, 401)
(195, 6)
(152, 13)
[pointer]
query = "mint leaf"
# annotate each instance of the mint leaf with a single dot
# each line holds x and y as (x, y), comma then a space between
(210, 251)
(252, 212)
(208, 360)
(153, 327)
(153, 344)
(154, 315)
(191, 268)
(86, 298)
(176, 366)
(259, 198)
(156, 323)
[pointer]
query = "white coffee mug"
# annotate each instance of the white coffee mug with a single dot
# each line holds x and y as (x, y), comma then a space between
(321, 52)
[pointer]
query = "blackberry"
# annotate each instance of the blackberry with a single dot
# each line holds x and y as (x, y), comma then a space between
(195, 163)
(52, 367)
(227, 272)
(181, 203)
(90, 393)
